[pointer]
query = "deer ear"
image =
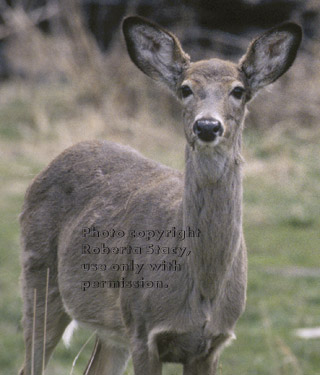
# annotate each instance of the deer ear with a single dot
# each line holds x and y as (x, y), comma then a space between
(271, 55)
(154, 50)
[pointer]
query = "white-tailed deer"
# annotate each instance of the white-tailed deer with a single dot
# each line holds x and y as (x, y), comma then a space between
(152, 259)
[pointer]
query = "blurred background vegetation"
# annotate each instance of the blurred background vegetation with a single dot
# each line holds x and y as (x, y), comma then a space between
(66, 77)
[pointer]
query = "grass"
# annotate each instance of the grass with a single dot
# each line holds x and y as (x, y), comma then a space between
(281, 223)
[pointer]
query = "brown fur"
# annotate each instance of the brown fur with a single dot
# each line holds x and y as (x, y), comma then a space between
(105, 185)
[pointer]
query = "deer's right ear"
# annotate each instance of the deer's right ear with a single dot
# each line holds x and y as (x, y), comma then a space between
(154, 50)
(271, 55)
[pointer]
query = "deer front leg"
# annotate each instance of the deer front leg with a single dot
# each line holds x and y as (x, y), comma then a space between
(203, 366)
(107, 359)
(144, 363)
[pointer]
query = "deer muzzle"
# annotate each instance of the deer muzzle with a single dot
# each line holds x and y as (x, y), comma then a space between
(207, 130)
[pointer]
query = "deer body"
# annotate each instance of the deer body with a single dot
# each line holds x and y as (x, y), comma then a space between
(191, 310)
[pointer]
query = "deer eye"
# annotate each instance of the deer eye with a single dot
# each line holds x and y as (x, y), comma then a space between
(237, 92)
(185, 91)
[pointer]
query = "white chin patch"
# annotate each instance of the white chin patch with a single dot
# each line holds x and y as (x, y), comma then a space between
(208, 144)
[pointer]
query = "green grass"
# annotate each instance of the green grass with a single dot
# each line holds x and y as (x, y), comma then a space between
(12, 117)
(281, 223)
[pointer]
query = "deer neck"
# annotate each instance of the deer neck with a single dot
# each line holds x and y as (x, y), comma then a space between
(213, 204)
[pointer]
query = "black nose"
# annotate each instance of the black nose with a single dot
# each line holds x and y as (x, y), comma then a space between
(208, 129)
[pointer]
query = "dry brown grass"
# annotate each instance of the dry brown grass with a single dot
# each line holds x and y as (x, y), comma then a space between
(72, 92)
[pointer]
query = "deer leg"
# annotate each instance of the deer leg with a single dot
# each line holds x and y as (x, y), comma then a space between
(107, 360)
(143, 362)
(37, 327)
(204, 366)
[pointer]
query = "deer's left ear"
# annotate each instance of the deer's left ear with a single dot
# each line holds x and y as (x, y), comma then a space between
(271, 55)
(155, 51)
